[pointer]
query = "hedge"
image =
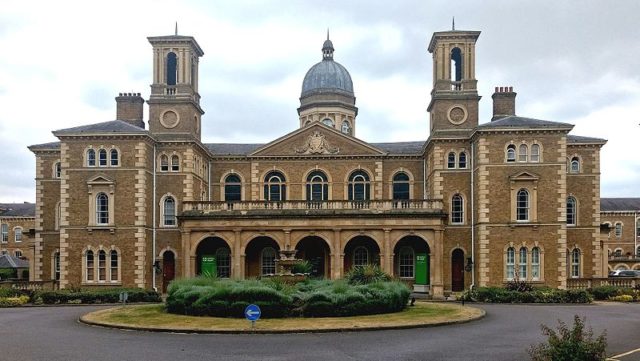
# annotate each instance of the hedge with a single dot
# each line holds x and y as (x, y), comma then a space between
(543, 295)
(13, 301)
(311, 298)
(111, 295)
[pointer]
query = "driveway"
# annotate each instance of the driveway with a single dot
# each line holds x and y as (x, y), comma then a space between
(53, 333)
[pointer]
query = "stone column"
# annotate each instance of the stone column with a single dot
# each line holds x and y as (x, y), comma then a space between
(287, 238)
(387, 264)
(337, 266)
(186, 254)
(437, 287)
(237, 260)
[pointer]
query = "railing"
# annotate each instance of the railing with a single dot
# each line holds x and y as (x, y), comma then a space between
(633, 258)
(457, 85)
(584, 283)
(31, 285)
(371, 205)
(170, 90)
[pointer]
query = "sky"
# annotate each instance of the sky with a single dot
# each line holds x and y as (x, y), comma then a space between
(574, 61)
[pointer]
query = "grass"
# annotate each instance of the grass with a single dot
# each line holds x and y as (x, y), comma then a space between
(155, 317)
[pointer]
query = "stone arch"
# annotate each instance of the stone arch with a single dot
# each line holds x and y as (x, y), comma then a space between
(206, 249)
(245, 242)
(350, 171)
(621, 266)
(365, 246)
(254, 254)
(636, 266)
(165, 249)
(317, 251)
(408, 234)
(294, 243)
(407, 268)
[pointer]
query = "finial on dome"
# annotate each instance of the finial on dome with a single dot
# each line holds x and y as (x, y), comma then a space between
(176, 28)
(453, 23)
(327, 48)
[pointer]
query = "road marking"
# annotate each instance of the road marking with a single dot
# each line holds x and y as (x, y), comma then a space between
(614, 358)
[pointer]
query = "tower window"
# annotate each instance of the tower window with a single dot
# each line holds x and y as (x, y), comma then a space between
(456, 67)
(164, 163)
(175, 163)
(462, 160)
(172, 68)
(451, 160)
(328, 122)
(346, 128)
(457, 209)
(91, 158)
(575, 165)
(522, 206)
(511, 153)
(114, 158)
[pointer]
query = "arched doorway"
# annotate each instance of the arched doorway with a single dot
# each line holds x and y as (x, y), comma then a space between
(213, 258)
(261, 253)
(168, 269)
(457, 270)
(360, 251)
(411, 260)
(315, 250)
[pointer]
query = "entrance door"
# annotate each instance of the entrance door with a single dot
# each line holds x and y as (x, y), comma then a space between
(457, 270)
(168, 269)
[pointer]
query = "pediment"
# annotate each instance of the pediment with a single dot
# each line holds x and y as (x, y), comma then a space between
(524, 176)
(100, 179)
(317, 140)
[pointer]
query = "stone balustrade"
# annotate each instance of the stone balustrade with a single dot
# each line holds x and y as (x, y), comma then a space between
(584, 283)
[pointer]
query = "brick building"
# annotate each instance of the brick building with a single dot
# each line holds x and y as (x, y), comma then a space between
(17, 232)
(119, 203)
(621, 232)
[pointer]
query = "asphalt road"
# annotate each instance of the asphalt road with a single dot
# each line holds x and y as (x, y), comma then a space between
(53, 333)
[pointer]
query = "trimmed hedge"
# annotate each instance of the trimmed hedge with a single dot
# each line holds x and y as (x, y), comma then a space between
(111, 295)
(311, 298)
(542, 295)
(13, 301)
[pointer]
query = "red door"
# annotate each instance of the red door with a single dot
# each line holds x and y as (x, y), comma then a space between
(168, 269)
(457, 270)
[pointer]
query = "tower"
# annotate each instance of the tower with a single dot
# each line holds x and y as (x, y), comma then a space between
(327, 94)
(454, 97)
(174, 104)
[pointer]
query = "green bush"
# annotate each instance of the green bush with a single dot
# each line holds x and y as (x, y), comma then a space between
(13, 301)
(502, 295)
(622, 298)
(110, 295)
(367, 274)
(604, 292)
(310, 298)
(570, 344)
(302, 267)
(6, 273)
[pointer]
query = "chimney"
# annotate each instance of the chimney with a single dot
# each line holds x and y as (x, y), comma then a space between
(504, 102)
(129, 108)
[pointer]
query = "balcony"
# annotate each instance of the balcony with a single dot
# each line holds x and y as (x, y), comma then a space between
(313, 208)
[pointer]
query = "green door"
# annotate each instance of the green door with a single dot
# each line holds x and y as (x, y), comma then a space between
(208, 266)
(422, 269)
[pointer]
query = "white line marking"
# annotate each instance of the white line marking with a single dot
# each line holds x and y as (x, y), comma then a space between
(624, 354)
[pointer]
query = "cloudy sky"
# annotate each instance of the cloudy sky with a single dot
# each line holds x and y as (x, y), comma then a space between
(63, 63)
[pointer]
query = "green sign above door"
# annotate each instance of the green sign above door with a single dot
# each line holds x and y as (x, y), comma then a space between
(422, 269)
(208, 266)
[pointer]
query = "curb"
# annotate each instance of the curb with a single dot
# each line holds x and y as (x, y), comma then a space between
(85, 321)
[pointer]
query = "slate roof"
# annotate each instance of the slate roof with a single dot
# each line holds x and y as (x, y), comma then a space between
(401, 147)
(619, 204)
(231, 148)
(8, 261)
(579, 139)
(514, 121)
(17, 209)
(114, 126)
(51, 145)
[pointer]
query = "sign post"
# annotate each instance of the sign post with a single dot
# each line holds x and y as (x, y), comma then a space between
(252, 313)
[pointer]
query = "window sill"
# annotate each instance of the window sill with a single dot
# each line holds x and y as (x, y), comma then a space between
(101, 283)
(109, 228)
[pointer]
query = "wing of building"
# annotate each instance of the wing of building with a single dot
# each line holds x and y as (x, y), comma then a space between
(133, 204)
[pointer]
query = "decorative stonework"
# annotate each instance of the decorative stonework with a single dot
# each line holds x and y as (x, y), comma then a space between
(169, 119)
(317, 144)
(457, 114)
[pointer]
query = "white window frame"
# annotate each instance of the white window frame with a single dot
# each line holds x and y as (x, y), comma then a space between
(267, 263)
(535, 263)
(523, 152)
(406, 263)
(618, 230)
(457, 215)
(527, 206)
(523, 258)
(510, 263)
(572, 216)
(17, 234)
(511, 153)
(163, 212)
(535, 153)
(357, 259)
(5, 232)
(576, 260)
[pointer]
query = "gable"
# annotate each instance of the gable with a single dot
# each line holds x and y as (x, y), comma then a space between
(100, 179)
(524, 176)
(317, 140)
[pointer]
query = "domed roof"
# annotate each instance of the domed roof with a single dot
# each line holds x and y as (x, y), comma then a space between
(327, 75)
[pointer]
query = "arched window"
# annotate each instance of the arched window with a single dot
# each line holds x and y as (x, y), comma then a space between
(17, 234)
(102, 265)
(571, 211)
(275, 188)
(56, 266)
(359, 187)
(457, 209)
(89, 265)
(618, 230)
(172, 68)
(169, 208)
(462, 160)
(232, 188)
(113, 270)
(575, 263)
(522, 206)
(401, 189)
(535, 153)
(456, 66)
(17, 253)
(164, 163)
(268, 264)
(223, 262)
(175, 163)
(114, 157)
(511, 153)
(102, 209)
(102, 157)
(360, 257)
(510, 261)
(346, 128)
(328, 122)
(317, 186)
(574, 166)
(57, 170)
(522, 153)
(91, 158)
(522, 263)
(406, 260)
(451, 160)
(535, 263)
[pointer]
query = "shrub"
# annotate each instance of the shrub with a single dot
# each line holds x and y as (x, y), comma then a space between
(13, 301)
(604, 292)
(502, 295)
(622, 298)
(302, 267)
(110, 295)
(6, 273)
(570, 344)
(367, 274)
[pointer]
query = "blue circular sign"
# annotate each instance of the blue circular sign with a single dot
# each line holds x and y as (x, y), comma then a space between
(252, 312)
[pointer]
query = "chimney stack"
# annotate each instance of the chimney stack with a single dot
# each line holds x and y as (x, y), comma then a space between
(504, 102)
(129, 108)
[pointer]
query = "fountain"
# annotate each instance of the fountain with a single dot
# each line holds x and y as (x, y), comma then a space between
(285, 264)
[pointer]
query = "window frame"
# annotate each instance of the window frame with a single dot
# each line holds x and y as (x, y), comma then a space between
(451, 160)
(57, 170)
(91, 157)
(457, 209)
(572, 208)
(462, 160)
(102, 215)
(406, 270)
(102, 158)
(535, 153)
(535, 263)
(114, 159)
(89, 264)
(169, 214)
(174, 163)
(357, 257)
(511, 153)
(268, 264)
(574, 165)
(229, 185)
(523, 153)
(4, 229)
(510, 263)
(317, 184)
(17, 234)
(523, 205)
(523, 260)
(223, 268)
(618, 229)
(576, 260)
(401, 187)
(275, 183)
(164, 163)
(359, 183)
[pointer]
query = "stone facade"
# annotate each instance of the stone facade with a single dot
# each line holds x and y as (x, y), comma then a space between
(17, 233)
(484, 202)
